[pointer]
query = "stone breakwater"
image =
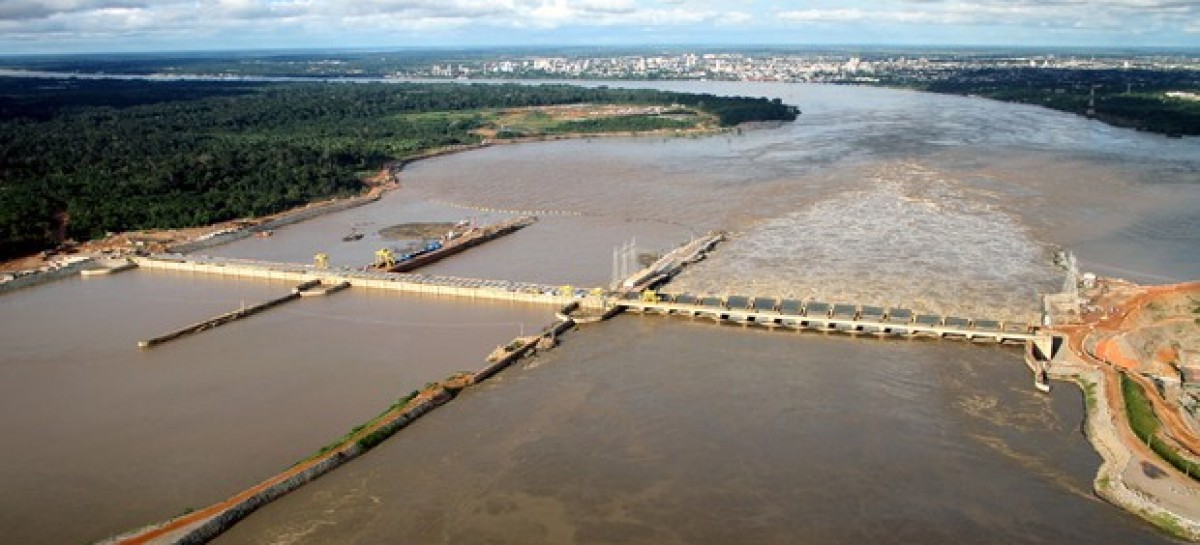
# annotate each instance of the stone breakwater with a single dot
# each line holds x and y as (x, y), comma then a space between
(54, 271)
(1112, 482)
(206, 524)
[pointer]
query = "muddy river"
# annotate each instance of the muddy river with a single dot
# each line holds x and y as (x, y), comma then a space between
(643, 429)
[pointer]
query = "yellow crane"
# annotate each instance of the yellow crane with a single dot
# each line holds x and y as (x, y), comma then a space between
(384, 258)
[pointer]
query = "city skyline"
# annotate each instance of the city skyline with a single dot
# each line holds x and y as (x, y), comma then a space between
(80, 26)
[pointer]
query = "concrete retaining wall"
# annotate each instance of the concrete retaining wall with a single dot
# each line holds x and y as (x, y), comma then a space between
(332, 277)
(219, 320)
(208, 523)
(211, 528)
(41, 277)
(107, 267)
(204, 525)
(525, 348)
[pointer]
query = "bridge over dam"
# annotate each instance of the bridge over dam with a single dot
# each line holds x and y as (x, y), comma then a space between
(813, 315)
(1041, 347)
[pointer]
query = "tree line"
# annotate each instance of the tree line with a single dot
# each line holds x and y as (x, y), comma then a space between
(1134, 98)
(81, 158)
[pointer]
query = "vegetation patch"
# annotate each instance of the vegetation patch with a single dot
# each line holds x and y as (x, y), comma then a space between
(343, 440)
(629, 123)
(81, 158)
(1145, 425)
(415, 231)
(1126, 98)
(591, 119)
(1089, 392)
(1169, 524)
(370, 440)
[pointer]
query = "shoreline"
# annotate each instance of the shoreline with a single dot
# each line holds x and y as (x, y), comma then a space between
(1105, 435)
(36, 269)
(1131, 475)
(1107, 120)
(1117, 457)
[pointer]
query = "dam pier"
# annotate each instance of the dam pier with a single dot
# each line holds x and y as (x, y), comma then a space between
(817, 316)
(309, 288)
(639, 293)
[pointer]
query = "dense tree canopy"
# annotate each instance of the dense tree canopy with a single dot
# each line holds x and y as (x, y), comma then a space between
(1132, 98)
(91, 156)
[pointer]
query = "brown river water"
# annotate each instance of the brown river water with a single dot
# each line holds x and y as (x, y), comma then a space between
(643, 429)
(651, 430)
(102, 437)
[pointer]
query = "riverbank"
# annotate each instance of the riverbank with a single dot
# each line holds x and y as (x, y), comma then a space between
(47, 266)
(1129, 476)
(213, 170)
(1097, 357)
(1144, 112)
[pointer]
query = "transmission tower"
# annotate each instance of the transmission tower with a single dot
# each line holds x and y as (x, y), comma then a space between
(623, 260)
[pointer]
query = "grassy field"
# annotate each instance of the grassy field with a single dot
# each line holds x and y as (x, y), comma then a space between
(569, 119)
(1145, 425)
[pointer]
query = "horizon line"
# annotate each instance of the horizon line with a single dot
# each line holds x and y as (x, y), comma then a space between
(646, 46)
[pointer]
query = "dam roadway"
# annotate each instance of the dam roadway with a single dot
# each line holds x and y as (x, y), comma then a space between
(636, 294)
(474, 288)
(822, 317)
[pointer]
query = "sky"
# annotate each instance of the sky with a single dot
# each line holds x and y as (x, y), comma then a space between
(97, 26)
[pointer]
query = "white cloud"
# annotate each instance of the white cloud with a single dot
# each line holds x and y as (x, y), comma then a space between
(609, 6)
(1078, 14)
(735, 18)
(511, 13)
(49, 20)
(260, 9)
(823, 15)
(36, 9)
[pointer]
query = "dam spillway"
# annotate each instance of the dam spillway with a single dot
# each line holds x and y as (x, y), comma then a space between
(823, 317)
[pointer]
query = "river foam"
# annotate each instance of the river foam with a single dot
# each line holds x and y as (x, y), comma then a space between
(913, 238)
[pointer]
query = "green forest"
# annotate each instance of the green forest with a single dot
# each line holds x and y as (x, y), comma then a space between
(1135, 99)
(80, 158)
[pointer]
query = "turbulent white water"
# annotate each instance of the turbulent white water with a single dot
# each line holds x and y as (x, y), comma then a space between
(945, 205)
(912, 239)
(941, 204)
